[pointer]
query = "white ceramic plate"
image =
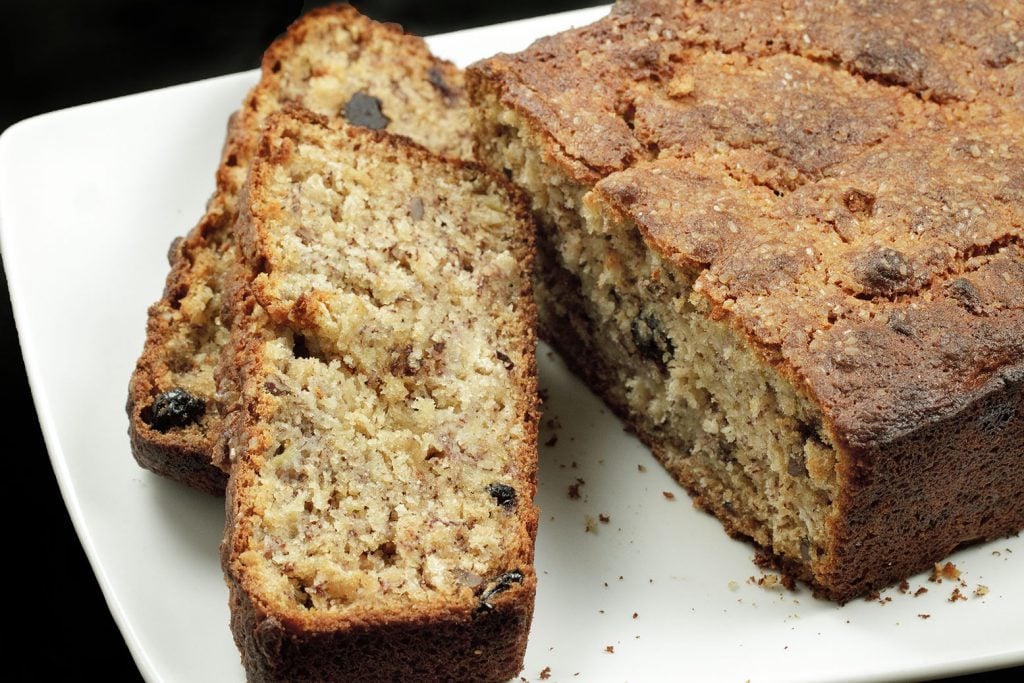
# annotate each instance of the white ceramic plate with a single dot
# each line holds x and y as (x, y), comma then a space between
(90, 197)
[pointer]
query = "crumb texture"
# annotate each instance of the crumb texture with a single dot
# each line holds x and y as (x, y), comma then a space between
(385, 433)
(336, 63)
(785, 240)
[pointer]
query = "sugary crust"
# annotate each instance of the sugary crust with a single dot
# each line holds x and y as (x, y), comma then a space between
(449, 639)
(182, 346)
(844, 182)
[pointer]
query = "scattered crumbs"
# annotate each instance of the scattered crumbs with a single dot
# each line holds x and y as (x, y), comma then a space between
(920, 591)
(573, 464)
(620, 578)
(551, 355)
(981, 590)
(600, 461)
(591, 525)
(603, 518)
(924, 616)
(610, 649)
(733, 586)
(904, 586)
(956, 595)
(769, 581)
(552, 441)
(668, 495)
(600, 611)
(944, 571)
(996, 553)
(641, 468)
(576, 674)
(561, 465)
(605, 584)
(574, 489)
(543, 394)
(635, 615)
(523, 680)
(650, 580)
(545, 673)
(554, 423)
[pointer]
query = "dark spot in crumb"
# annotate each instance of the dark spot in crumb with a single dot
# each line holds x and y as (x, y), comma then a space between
(729, 507)
(299, 347)
(436, 79)
(651, 341)
(859, 202)
(365, 110)
(797, 466)
(174, 408)
(883, 272)
(805, 549)
(503, 494)
(897, 322)
(500, 585)
(965, 293)
(505, 360)
(274, 386)
(416, 208)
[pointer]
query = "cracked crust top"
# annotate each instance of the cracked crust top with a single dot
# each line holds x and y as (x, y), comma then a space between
(845, 178)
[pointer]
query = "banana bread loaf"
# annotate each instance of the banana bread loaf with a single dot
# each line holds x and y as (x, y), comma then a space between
(380, 515)
(335, 62)
(784, 241)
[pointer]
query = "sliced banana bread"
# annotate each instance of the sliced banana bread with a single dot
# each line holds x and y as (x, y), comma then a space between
(333, 61)
(784, 241)
(380, 515)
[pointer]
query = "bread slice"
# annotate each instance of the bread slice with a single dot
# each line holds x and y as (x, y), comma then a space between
(332, 61)
(786, 244)
(380, 516)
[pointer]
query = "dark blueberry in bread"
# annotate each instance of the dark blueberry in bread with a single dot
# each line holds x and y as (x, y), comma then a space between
(364, 110)
(175, 408)
(503, 494)
(501, 584)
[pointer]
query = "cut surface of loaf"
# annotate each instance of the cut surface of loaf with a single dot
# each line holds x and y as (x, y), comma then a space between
(380, 514)
(784, 241)
(332, 61)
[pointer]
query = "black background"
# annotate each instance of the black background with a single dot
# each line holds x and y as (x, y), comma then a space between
(71, 52)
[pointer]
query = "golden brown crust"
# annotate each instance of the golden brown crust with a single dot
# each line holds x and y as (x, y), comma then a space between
(449, 638)
(422, 96)
(843, 181)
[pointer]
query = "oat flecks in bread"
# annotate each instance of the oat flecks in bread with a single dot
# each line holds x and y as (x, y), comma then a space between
(334, 62)
(787, 248)
(380, 515)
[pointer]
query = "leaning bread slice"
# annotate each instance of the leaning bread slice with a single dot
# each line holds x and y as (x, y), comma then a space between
(380, 516)
(333, 61)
